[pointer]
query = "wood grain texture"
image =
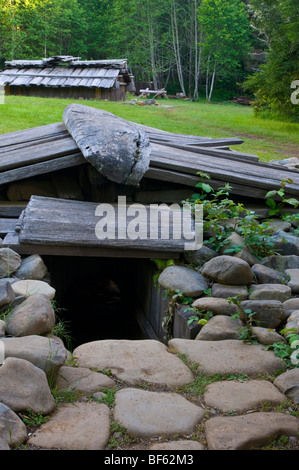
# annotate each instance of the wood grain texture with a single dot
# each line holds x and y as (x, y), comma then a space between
(67, 223)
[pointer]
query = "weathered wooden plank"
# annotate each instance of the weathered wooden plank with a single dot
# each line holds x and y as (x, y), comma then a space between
(51, 221)
(7, 225)
(10, 209)
(191, 180)
(12, 241)
(42, 168)
(36, 153)
(198, 148)
(51, 144)
(249, 173)
(32, 134)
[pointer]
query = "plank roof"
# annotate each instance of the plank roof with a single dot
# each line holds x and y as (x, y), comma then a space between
(63, 72)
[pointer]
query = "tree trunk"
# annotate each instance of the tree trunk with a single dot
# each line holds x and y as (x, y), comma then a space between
(213, 81)
(176, 46)
(197, 61)
(208, 78)
(152, 52)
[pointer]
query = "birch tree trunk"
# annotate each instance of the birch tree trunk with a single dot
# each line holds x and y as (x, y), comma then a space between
(176, 46)
(152, 52)
(198, 51)
(208, 78)
(213, 80)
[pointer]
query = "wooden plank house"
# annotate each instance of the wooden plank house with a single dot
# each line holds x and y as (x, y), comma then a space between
(68, 77)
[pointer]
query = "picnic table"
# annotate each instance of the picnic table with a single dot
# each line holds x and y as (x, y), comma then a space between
(148, 92)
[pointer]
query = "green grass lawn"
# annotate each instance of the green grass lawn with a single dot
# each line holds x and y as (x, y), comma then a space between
(266, 138)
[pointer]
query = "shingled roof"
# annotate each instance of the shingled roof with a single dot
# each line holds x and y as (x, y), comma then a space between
(64, 71)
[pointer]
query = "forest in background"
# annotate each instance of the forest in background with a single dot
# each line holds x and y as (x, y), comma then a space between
(209, 49)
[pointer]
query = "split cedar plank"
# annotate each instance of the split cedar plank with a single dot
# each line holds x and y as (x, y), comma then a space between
(210, 151)
(47, 130)
(28, 135)
(37, 153)
(30, 144)
(51, 221)
(167, 136)
(193, 140)
(41, 168)
(12, 241)
(258, 174)
(7, 225)
(10, 209)
(191, 180)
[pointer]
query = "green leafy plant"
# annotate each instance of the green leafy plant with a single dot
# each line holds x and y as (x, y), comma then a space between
(247, 317)
(199, 316)
(161, 264)
(276, 206)
(288, 350)
(33, 419)
(218, 210)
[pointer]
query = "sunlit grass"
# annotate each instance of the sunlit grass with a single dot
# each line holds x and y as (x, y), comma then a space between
(266, 138)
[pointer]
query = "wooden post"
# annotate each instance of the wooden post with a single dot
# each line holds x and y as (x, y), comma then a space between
(123, 90)
(98, 93)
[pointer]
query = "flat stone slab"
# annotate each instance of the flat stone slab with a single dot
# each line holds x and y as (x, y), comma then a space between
(241, 396)
(74, 426)
(248, 431)
(145, 413)
(82, 380)
(228, 356)
(135, 361)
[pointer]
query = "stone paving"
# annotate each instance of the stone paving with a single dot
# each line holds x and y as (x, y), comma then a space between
(142, 395)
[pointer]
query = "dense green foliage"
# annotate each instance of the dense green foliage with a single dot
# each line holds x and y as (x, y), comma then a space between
(186, 45)
(197, 47)
(277, 25)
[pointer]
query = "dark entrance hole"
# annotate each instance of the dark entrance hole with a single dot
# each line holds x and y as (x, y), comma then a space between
(107, 298)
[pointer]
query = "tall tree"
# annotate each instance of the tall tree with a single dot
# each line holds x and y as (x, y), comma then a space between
(277, 24)
(137, 33)
(226, 39)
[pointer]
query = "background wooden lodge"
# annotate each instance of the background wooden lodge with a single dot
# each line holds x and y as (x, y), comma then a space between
(68, 77)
